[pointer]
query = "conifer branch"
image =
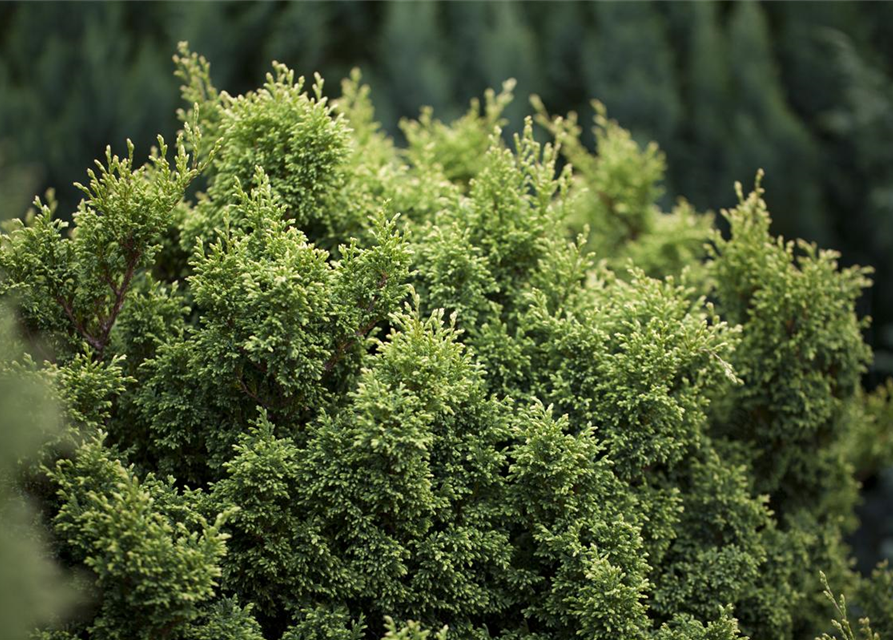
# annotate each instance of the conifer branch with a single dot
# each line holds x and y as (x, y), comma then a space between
(360, 333)
(78, 325)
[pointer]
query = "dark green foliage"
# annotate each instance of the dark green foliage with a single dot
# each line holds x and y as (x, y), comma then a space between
(801, 354)
(871, 446)
(800, 358)
(154, 562)
(532, 405)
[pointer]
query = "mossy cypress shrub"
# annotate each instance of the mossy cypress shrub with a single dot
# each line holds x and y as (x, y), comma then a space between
(351, 390)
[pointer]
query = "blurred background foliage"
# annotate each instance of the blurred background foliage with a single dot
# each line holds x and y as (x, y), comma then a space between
(803, 90)
(33, 588)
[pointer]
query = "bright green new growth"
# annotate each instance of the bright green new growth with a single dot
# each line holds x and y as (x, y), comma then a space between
(358, 391)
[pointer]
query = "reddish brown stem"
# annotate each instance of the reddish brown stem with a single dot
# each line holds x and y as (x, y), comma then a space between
(119, 292)
(106, 323)
(360, 333)
(66, 305)
(250, 393)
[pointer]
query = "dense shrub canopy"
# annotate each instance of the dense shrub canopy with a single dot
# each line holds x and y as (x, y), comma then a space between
(803, 89)
(349, 389)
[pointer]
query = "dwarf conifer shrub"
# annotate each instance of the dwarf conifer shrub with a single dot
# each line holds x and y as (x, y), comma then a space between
(469, 388)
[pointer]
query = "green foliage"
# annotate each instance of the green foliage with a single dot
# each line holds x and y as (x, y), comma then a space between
(153, 562)
(410, 631)
(803, 91)
(801, 357)
(74, 288)
(870, 443)
(291, 135)
(687, 628)
(802, 351)
(877, 599)
(32, 589)
(533, 405)
(226, 620)
(841, 622)
(617, 190)
(460, 147)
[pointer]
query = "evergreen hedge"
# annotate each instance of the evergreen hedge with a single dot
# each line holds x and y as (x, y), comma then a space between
(350, 390)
